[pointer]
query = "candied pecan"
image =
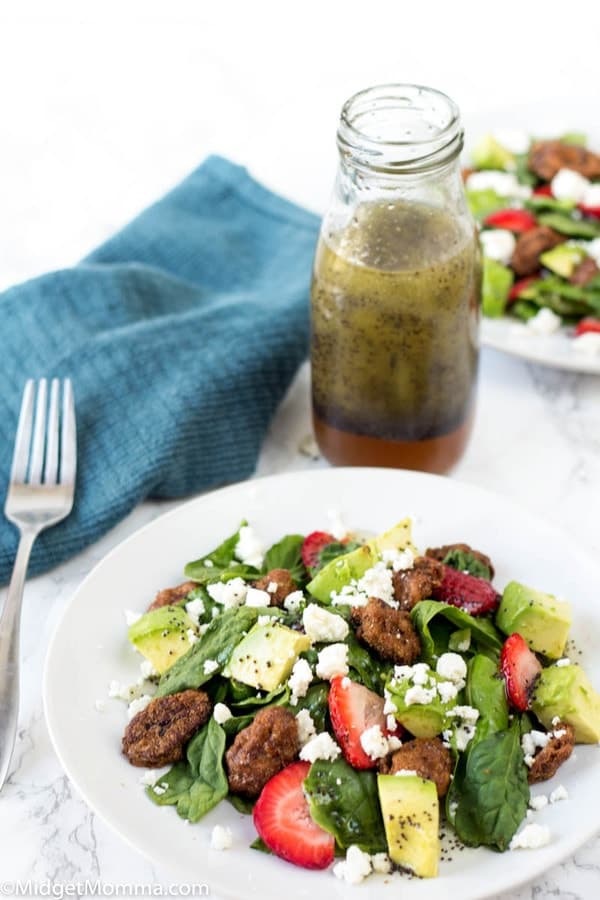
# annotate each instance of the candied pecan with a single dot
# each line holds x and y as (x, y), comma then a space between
(440, 553)
(547, 157)
(261, 750)
(284, 585)
(388, 631)
(547, 761)
(172, 595)
(530, 246)
(413, 585)
(157, 735)
(428, 758)
(584, 272)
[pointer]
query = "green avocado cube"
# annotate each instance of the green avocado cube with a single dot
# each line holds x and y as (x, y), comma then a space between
(490, 154)
(265, 657)
(161, 635)
(541, 619)
(566, 692)
(411, 811)
(421, 709)
(563, 259)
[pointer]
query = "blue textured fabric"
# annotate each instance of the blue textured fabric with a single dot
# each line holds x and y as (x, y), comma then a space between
(181, 335)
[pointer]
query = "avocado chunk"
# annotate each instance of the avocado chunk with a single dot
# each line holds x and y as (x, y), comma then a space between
(562, 260)
(490, 154)
(161, 635)
(423, 719)
(352, 566)
(266, 656)
(541, 619)
(566, 692)
(411, 813)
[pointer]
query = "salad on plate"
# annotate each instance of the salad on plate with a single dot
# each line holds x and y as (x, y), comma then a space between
(537, 202)
(352, 694)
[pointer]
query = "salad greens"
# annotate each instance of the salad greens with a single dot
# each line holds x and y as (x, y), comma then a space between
(435, 622)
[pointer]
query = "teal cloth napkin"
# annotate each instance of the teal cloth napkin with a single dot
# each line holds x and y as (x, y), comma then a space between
(181, 335)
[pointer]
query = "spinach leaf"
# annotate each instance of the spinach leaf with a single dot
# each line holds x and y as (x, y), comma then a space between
(332, 551)
(264, 699)
(221, 564)
(345, 803)
(466, 562)
(286, 554)
(523, 173)
(236, 723)
(242, 805)
(218, 643)
(540, 202)
(205, 758)
(174, 786)
(524, 310)
(483, 633)
(486, 692)
(493, 794)
(224, 554)
(564, 224)
(370, 671)
(259, 844)
(315, 702)
(460, 641)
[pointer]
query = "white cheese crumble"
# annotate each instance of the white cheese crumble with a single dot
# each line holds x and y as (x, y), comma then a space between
(377, 582)
(256, 597)
(406, 773)
(355, 867)
(592, 196)
(229, 594)
(569, 185)
(559, 793)
(565, 661)
(249, 549)
(452, 667)
(321, 746)
(131, 616)
(332, 660)
(272, 587)
(306, 727)
(195, 608)
(544, 323)
(538, 802)
(323, 626)
(221, 838)
(210, 666)
(399, 560)
(299, 680)
(420, 673)
(531, 743)
(138, 705)
(147, 670)
(587, 344)
(148, 778)
(506, 184)
(293, 601)
(390, 721)
(221, 713)
(592, 248)
(336, 525)
(374, 742)
(127, 692)
(447, 691)
(381, 863)
(498, 244)
(531, 837)
(420, 695)
(191, 636)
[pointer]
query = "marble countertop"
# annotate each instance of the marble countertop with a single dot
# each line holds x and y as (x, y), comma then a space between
(92, 129)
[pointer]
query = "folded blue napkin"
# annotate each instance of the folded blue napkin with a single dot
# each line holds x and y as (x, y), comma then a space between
(181, 335)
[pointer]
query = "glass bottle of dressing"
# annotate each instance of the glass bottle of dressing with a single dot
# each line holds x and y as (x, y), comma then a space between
(395, 290)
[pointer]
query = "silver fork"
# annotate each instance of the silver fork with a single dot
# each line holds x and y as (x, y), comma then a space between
(40, 494)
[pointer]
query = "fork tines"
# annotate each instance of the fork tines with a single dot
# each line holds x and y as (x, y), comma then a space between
(45, 445)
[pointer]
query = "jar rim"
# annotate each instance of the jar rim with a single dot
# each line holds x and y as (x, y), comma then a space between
(400, 128)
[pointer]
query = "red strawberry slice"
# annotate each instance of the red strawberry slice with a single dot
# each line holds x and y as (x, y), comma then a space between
(588, 325)
(353, 708)
(282, 819)
(312, 546)
(592, 211)
(544, 190)
(475, 595)
(520, 668)
(517, 220)
(521, 285)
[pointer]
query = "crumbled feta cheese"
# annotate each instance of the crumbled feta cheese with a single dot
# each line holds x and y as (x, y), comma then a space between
(349, 596)
(272, 587)
(221, 713)
(293, 601)
(306, 727)
(127, 692)
(148, 778)
(466, 713)
(512, 139)
(420, 673)
(202, 629)
(565, 661)
(381, 863)
(420, 695)
(531, 742)
(131, 616)
(332, 660)
(538, 802)
(506, 184)
(299, 680)
(447, 691)
(592, 196)
(531, 837)
(569, 185)
(323, 626)
(346, 682)
(266, 620)
(355, 868)
(210, 666)
(403, 673)
(374, 742)
(587, 344)
(544, 323)
(147, 670)
(498, 244)
(138, 705)
(191, 636)
(559, 732)
(390, 723)
(463, 734)
(399, 560)
(555, 720)
(229, 594)
(159, 789)
(394, 743)
(592, 248)
(321, 746)
(336, 526)
(249, 548)
(208, 563)
(453, 667)
(100, 705)
(389, 707)
(195, 609)
(221, 838)
(377, 582)
(256, 597)
(559, 793)
(405, 773)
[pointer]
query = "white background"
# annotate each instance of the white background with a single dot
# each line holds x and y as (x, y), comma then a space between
(105, 105)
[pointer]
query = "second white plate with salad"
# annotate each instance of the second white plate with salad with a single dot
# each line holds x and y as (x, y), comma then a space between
(90, 650)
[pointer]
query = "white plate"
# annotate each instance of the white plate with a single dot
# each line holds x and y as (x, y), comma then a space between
(90, 648)
(554, 350)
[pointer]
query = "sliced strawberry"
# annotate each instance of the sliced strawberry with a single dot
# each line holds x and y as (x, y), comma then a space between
(520, 668)
(282, 819)
(353, 708)
(592, 211)
(588, 325)
(312, 546)
(517, 220)
(543, 190)
(475, 595)
(521, 285)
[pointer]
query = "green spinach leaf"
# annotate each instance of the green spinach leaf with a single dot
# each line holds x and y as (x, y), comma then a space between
(483, 633)
(205, 758)
(242, 805)
(564, 224)
(370, 671)
(174, 786)
(486, 692)
(286, 554)
(315, 701)
(466, 562)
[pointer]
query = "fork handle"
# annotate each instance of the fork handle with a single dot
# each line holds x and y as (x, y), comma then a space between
(10, 620)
